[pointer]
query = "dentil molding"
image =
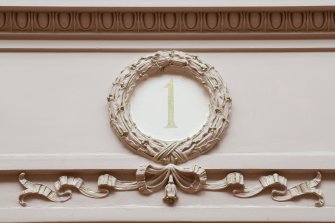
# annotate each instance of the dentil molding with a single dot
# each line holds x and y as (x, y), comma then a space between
(168, 23)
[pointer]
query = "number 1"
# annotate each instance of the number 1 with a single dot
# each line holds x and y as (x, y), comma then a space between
(171, 123)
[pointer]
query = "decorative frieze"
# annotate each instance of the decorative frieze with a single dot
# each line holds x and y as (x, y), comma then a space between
(150, 179)
(225, 21)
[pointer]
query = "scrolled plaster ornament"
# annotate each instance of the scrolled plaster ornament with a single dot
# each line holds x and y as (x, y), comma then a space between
(64, 185)
(273, 180)
(178, 151)
(62, 190)
(39, 189)
(150, 179)
(308, 187)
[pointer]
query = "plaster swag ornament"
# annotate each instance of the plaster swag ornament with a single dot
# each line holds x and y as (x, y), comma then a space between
(150, 179)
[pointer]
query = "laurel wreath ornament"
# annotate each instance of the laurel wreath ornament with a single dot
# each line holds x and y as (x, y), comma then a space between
(178, 151)
(149, 179)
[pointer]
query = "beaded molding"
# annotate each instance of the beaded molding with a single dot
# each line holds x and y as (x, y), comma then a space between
(161, 151)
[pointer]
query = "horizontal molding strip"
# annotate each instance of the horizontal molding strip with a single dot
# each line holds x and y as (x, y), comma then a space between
(154, 45)
(167, 23)
(232, 161)
(194, 213)
(171, 3)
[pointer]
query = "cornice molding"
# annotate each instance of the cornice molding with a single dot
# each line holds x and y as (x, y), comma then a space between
(179, 23)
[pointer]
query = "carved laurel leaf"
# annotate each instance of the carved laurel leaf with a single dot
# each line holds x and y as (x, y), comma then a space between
(178, 151)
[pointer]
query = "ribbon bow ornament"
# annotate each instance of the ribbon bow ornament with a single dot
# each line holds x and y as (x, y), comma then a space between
(150, 179)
